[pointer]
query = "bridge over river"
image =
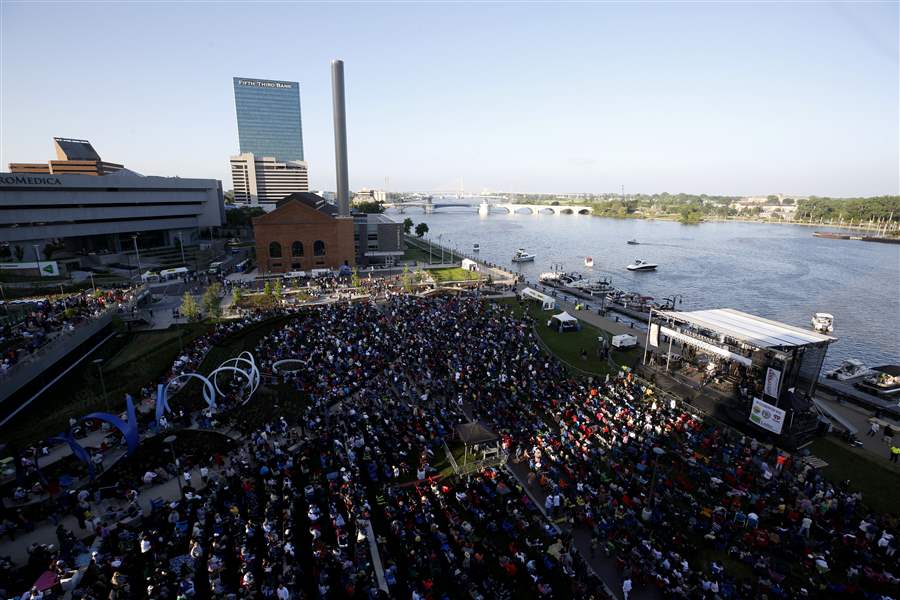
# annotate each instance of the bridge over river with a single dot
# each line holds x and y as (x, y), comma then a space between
(485, 208)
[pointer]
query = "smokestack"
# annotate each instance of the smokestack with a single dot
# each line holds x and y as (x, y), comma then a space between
(340, 137)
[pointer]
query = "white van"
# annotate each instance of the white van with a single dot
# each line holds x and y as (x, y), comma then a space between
(296, 275)
(176, 273)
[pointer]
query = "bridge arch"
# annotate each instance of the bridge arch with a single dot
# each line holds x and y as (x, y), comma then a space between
(566, 211)
(547, 210)
(584, 211)
(523, 210)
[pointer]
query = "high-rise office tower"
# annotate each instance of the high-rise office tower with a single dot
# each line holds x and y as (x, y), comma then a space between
(270, 165)
(268, 116)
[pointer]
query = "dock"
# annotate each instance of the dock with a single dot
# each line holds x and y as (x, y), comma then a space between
(847, 391)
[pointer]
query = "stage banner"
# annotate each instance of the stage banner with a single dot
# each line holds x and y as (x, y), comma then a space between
(773, 383)
(767, 416)
(654, 335)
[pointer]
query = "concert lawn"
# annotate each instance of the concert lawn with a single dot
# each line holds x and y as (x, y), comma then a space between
(873, 475)
(453, 274)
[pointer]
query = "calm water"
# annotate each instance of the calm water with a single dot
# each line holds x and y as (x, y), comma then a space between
(780, 272)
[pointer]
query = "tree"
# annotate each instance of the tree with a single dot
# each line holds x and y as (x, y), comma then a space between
(276, 290)
(406, 277)
(229, 197)
(354, 278)
(236, 295)
(369, 207)
(407, 225)
(211, 300)
(421, 229)
(189, 307)
(267, 289)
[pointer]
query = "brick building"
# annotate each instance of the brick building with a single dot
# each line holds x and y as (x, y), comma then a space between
(303, 233)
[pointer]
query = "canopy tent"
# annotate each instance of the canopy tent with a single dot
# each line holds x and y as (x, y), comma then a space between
(474, 433)
(566, 322)
(469, 265)
(547, 302)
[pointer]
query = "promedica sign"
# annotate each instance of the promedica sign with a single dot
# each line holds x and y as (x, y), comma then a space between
(29, 180)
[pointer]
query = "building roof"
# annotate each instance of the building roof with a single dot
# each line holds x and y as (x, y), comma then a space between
(750, 329)
(377, 218)
(76, 149)
(311, 200)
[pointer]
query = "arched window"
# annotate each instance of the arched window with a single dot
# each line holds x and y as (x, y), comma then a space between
(319, 248)
(274, 250)
(297, 249)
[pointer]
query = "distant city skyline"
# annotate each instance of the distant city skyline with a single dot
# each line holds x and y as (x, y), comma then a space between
(724, 99)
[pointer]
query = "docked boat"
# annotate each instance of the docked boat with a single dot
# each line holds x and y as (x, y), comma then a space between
(633, 242)
(521, 256)
(550, 276)
(641, 265)
(849, 369)
(589, 261)
(594, 287)
(476, 248)
(823, 322)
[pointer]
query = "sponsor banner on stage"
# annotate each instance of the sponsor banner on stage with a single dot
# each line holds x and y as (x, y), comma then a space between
(654, 335)
(767, 416)
(773, 382)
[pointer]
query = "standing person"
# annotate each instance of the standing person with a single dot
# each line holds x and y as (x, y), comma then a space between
(873, 429)
(895, 454)
(626, 588)
(888, 435)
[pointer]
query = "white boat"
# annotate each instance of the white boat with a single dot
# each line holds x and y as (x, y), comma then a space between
(476, 247)
(849, 369)
(589, 261)
(641, 265)
(550, 276)
(823, 322)
(522, 256)
(633, 242)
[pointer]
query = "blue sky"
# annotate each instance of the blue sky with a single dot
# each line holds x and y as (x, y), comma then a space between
(715, 97)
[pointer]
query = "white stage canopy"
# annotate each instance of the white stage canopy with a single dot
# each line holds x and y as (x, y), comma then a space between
(749, 329)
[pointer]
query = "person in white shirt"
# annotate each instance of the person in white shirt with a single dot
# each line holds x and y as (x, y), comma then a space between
(626, 588)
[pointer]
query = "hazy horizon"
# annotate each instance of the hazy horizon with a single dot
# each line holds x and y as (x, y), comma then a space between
(721, 99)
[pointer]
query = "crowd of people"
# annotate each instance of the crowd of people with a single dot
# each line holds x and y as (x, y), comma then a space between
(44, 319)
(606, 470)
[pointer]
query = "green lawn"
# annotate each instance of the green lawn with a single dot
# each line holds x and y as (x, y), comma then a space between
(566, 346)
(453, 274)
(876, 478)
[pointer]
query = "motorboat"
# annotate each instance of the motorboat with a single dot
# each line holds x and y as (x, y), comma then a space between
(589, 261)
(521, 256)
(594, 287)
(550, 276)
(641, 265)
(849, 369)
(633, 242)
(823, 322)
(476, 248)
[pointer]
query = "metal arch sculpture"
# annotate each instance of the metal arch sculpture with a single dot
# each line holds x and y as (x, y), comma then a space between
(162, 393)
(128, 429)
(250, 374)
(276, 366)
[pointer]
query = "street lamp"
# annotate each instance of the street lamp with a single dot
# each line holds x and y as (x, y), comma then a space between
(670, 301)
(93, 285)
(181, 245)
(138, 254)
(170, 440)
(98, 362)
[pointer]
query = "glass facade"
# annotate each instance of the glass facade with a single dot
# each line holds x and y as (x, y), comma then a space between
(268, 116)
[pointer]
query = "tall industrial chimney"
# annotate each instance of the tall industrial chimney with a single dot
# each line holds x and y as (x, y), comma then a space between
(340, 137)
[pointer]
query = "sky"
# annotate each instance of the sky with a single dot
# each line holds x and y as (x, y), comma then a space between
(717, 98)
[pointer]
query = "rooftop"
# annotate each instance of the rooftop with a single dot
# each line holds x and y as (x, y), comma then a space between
(750, 329)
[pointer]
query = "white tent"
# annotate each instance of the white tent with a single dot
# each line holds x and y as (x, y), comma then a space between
(547, 302)
(566, 322)
(469, 265)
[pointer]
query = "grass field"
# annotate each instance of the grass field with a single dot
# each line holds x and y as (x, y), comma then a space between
(453, 274)
(876, 478)
(566, 346)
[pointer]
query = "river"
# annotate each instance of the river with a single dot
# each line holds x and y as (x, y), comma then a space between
(779, 272)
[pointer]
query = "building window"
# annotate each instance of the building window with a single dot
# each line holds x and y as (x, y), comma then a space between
(295, 266)
(319, 248)
(297, 249)
(373, 237)
(274, 250)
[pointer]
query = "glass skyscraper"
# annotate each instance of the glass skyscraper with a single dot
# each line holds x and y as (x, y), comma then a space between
(268, 116)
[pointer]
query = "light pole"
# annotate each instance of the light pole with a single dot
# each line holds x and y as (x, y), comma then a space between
(138, 254)
(93, 285)
(181, 245)
(98, 362)
(170, 440)
(5, 305)
(440, 243)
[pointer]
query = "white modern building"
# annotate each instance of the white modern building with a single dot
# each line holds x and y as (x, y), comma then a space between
(263, 181)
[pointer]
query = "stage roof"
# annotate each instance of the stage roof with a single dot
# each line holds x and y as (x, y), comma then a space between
(750, 329)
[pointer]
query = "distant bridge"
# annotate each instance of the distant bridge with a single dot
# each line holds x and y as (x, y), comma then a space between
(485, 207)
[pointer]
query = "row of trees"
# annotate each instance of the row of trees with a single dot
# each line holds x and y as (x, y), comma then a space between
(421, 229)
(879, 208)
